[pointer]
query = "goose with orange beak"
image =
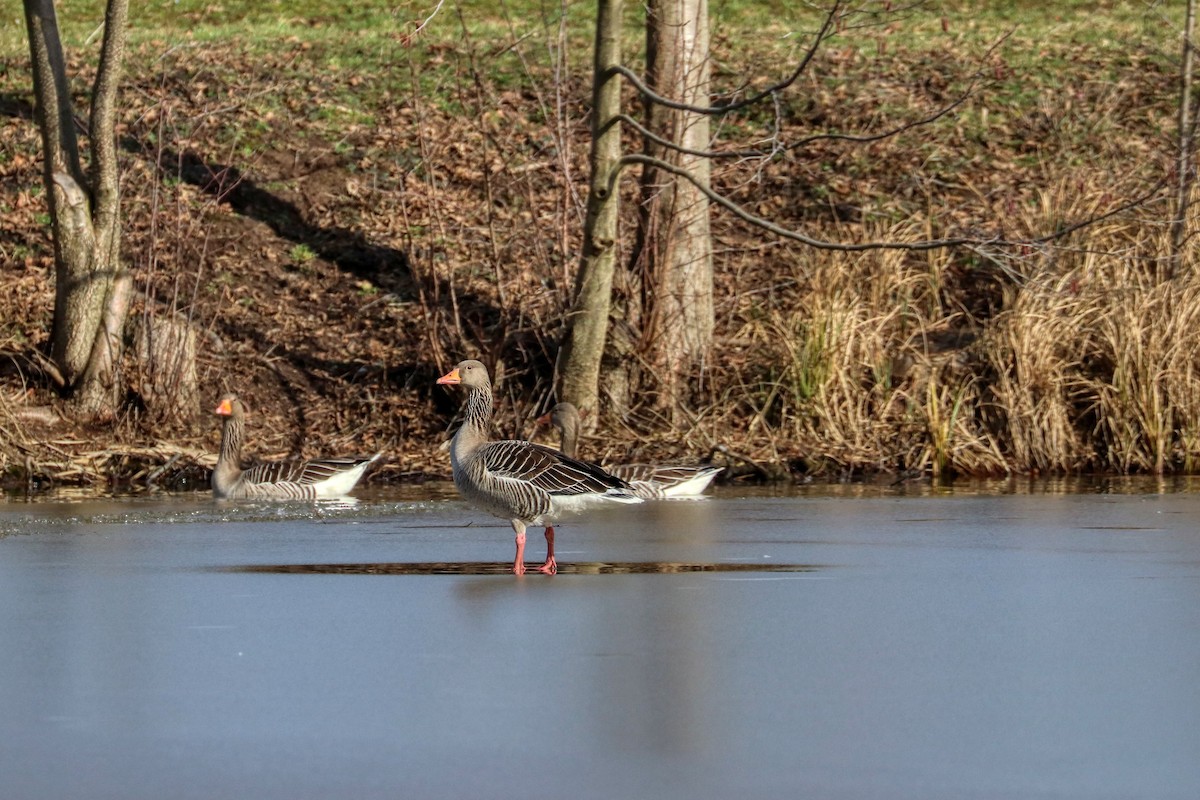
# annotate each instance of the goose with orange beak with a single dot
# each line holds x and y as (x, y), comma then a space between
(279, 480)
(523, 482)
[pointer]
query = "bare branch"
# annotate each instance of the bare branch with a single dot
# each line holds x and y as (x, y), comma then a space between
(787, 233)
(1184, 176)
(1069, 229)
(930, 244)
(875, 137)
(724, 108)
(407, 38)
(772, 91)
(756, 153)
(644, 131)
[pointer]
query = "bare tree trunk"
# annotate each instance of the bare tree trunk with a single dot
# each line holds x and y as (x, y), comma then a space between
(91, 289)
(673, 259)
(1184, 172)
(583, 345)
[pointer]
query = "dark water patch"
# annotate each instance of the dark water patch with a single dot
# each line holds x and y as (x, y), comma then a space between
(505, 568)
(1117, 528)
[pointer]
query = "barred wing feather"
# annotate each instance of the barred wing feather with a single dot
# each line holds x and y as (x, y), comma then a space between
(547, 469)
(302, 472)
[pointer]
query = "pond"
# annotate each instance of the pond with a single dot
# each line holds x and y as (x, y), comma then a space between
(988, 641)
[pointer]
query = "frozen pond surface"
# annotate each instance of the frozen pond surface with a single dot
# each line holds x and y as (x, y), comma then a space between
(970, 644)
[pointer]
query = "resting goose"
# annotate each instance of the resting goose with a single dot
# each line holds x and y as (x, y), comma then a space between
(648, 481)
(280, 480)
(525, 483)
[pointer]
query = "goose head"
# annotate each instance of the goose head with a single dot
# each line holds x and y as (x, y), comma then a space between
(230, 406)
(470, 373)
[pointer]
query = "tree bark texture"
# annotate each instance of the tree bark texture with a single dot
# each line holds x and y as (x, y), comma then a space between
(92, 291)
(587, 326)
(673, 254)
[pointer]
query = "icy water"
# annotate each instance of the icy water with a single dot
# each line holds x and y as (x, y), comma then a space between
(850, 643)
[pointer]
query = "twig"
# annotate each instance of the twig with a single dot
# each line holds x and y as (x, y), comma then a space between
(932, 244)
(408, 37)
(725, 108)
(787, 233)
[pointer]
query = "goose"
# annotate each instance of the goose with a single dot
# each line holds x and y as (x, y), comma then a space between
(279, 480)
(649, 481)
(523, 482)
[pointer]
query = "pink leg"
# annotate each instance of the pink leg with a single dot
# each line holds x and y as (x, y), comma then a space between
(519, 563)
(551, 566)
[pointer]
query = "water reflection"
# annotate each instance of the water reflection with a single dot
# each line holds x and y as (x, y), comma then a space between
(874, 486)
(505, 568)
(1025, 485)
(74, 512)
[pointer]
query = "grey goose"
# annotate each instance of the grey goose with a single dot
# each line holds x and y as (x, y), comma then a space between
(523, 482)
(279, 480)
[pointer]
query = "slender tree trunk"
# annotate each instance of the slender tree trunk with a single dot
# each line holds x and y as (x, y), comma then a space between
(91, 289)
(673, 257)
(587, 327)
(1183, 165)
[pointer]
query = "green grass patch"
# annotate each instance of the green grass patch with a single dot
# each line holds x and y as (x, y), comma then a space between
(355, 34)
(505, 42)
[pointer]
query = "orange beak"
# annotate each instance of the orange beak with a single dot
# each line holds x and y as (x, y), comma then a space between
(544, 419)
(225, 409)
(451, 377)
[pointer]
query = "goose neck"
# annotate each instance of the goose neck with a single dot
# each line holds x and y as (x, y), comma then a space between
(476, 426)
(229, 457)
(569, 441)
(478, 411)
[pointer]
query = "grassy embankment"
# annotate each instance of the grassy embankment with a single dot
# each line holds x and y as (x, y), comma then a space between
(342, 213)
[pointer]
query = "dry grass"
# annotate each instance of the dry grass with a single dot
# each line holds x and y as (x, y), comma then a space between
(1091, 363)
(867, 371)
(1034, 392)
(356, 237)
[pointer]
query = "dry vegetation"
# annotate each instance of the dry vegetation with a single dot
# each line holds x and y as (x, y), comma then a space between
(340, 225)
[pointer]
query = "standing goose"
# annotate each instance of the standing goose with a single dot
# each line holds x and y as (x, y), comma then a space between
(525, 483)
(280, 480)
(648, 481)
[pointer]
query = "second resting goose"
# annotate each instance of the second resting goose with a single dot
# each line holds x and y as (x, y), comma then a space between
(523, 482)
(279, 480)
(649, 481)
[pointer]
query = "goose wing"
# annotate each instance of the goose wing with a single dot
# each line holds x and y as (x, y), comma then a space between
(301, 472)
(665, 475)
(547, 469)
